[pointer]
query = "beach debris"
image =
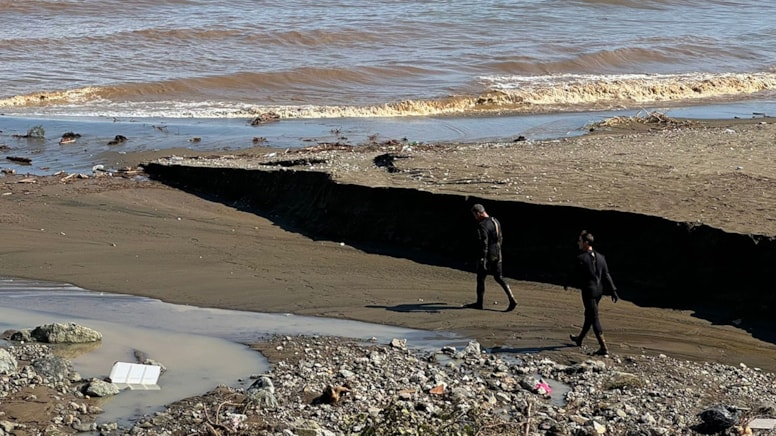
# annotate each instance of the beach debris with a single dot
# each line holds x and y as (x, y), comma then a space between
(142, 358)
(323, 146)
(718, 418)
(8, 171)
(118, 139)
(35, 132)
(128, 171)
(387, 161)
(295, 162)
(267, 117)
(648, 118)
(69, 138)
(20, 160)
(262, 393)
(438, 389)
(259, 140)
(762, 424)
(542, 388)
(135, 376)
(4, 147)
(195, 139)
(332, 394)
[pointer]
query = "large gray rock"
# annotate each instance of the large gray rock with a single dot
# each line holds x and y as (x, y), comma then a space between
(101, 388)
(8, 363)
(53, 367)
(60, 333)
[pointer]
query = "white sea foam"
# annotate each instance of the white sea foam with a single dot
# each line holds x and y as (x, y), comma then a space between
(512, 93)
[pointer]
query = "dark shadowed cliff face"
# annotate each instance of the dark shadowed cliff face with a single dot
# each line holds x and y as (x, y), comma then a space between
(654, 261)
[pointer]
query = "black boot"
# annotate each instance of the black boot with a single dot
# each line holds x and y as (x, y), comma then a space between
(479, 303)
(577, 340)
(511, 297)
(602, 350)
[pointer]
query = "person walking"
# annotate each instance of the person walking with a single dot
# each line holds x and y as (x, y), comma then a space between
(490, 240)
(591, 275)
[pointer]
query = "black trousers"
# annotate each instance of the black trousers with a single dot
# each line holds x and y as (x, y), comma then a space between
(590, 301)
(494, 269)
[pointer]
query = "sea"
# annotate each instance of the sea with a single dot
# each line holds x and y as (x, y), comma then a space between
(228, 75)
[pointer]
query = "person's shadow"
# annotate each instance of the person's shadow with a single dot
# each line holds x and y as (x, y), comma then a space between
(425, 307)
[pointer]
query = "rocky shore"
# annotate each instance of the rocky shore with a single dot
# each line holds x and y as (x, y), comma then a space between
(339, 386)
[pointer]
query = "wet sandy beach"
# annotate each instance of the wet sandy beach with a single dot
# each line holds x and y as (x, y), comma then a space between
(140, 237)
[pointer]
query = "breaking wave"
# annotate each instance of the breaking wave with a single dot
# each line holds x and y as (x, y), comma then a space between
(500, 94)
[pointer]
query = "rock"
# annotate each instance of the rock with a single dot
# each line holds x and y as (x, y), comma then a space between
(393, 391)
(473, 349)
(399, 343)
(101, 388)
(84, 427)
(7, 427)
(624, 380)
(8, 363)
(22, 336)
(60, 333)
(53, 367)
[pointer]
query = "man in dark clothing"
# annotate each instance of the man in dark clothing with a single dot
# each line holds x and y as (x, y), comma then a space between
(591, 276)
(490, 238)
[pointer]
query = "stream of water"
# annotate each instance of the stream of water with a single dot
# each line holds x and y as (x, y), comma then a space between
(200, 347)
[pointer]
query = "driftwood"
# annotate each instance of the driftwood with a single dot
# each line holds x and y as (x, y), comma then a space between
(69, 138)
(21, 160)
(648, 118)
(265, 118)
(118, 139)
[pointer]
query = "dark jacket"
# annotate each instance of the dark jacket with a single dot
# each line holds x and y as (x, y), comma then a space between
(591, 275)
(489, 234)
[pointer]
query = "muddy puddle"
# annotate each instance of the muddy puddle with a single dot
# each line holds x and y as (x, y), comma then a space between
(200, 347)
